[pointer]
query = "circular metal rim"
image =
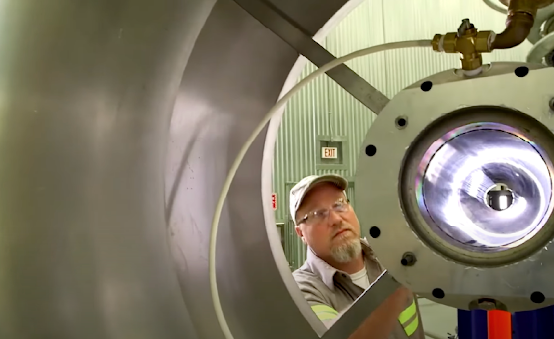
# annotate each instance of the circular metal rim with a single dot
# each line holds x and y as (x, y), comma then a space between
(513, 284)
(529, 127)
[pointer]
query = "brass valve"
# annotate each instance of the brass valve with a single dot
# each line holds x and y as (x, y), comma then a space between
(468, 41)
(471, 43)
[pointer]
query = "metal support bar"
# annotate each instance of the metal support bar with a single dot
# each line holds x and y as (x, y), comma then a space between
(364, 305)
(272, 18)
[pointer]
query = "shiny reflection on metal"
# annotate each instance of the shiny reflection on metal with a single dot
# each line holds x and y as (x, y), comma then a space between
(447, 206)
(499, 197)
(297, 37)
(233, 77)
(455, 178)
(496, 96)
(86, 94)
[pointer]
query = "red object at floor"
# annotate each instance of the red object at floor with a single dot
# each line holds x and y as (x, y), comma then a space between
(500, 325)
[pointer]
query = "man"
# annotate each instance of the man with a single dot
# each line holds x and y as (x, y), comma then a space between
(340, 266)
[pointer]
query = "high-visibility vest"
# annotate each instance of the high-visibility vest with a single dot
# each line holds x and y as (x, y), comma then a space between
(409, 319)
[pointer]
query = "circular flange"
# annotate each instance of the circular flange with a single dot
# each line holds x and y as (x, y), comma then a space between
(503, 105)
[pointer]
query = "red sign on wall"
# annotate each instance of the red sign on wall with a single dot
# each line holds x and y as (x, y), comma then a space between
(274, 201)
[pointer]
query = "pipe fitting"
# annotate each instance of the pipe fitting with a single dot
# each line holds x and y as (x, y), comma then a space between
(467, 41)
(521, 17)
(518, 26)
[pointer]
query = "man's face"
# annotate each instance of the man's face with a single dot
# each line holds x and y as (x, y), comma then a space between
(332, 233)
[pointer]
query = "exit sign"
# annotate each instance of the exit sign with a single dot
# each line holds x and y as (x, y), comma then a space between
(329, 152)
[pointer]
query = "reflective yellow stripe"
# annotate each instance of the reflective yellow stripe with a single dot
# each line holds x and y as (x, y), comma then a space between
(324, 312)
(408, 313)
(410, 329)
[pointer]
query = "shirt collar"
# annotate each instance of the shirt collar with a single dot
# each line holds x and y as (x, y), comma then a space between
(327, 272)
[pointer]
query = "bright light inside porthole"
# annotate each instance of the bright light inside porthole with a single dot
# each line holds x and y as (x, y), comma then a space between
(485, 187)
(499, 197)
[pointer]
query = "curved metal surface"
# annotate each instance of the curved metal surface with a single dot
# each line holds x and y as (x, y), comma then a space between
(463, 170)
(221, 100)
(234, 76)
(460, 247)
(87, 92)
(455, 270)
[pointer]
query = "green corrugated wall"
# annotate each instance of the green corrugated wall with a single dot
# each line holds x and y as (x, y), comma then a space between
(325, 109)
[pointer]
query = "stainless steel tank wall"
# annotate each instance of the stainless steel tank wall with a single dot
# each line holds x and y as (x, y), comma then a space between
(86, 95)
(233, 77)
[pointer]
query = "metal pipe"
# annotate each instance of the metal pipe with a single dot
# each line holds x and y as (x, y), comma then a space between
(518, 26)
(521, 18)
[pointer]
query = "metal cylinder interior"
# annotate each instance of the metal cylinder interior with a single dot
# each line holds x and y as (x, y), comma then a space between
(480, 188)
(87, 107)
(457, 187)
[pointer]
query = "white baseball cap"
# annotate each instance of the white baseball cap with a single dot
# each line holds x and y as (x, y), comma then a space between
(299, 191)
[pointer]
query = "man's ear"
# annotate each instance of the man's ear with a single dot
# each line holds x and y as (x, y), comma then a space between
(299, 232)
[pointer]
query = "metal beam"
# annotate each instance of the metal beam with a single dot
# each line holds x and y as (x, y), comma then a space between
(299, 39)
(368, 302)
